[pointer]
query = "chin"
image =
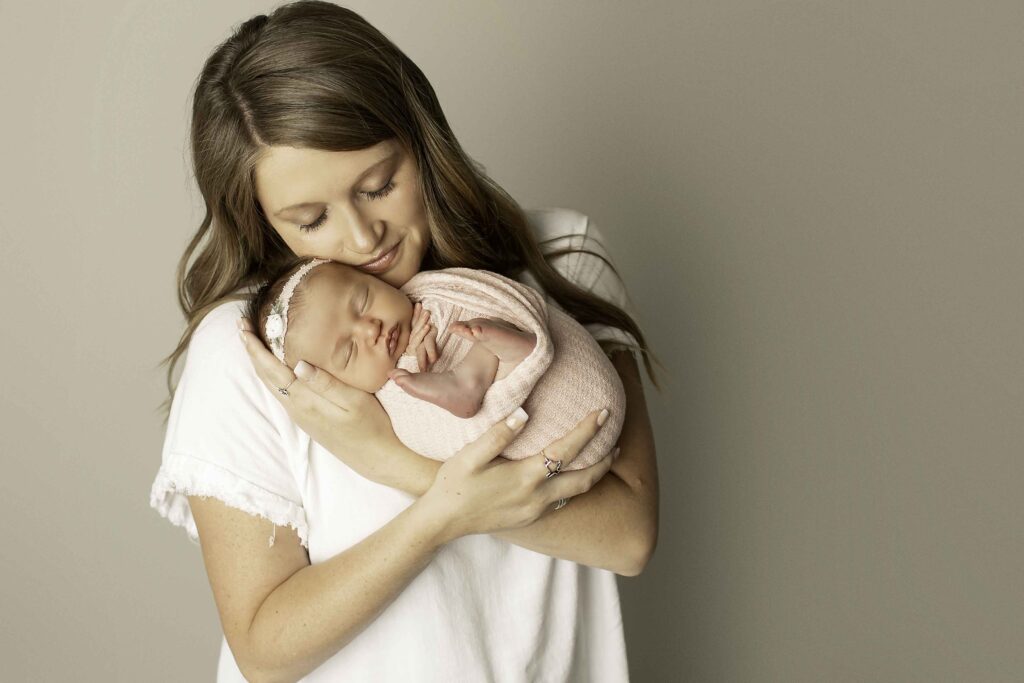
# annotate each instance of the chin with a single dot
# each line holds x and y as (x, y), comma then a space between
(401, 274)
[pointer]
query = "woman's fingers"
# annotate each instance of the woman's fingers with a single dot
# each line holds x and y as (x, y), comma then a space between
(276, 375)
(574, 482)
(327, 385)
(491, 443)
(569, 446)
(269, 369)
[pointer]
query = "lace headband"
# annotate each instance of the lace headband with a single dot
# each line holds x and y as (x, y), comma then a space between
(277, 321)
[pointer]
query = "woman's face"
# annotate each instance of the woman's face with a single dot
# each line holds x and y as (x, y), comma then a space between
(362, 207)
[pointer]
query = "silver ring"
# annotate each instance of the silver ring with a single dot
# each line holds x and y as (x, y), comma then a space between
(284, 390)
(547, 465)
(561, 503)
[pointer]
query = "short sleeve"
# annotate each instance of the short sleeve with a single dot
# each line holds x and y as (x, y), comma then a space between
(560, 228)
(226, 435)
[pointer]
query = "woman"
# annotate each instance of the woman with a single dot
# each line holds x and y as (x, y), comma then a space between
(312, 134)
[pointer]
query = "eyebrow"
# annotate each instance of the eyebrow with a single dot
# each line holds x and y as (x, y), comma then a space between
(362, 175)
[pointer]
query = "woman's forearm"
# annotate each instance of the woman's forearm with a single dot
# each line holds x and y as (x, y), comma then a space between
(322, 607)
(614, 525)
(598, 528)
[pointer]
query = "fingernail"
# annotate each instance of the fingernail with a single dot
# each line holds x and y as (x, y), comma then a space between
(615, 453)
(517, 419)
(238, 324)
(602, 417)
(241, 335)
(304, 370)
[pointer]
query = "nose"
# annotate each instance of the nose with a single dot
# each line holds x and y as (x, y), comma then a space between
(364, 233)
(368, 329)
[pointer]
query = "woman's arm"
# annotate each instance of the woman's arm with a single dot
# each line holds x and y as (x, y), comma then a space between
(614, 525)
(283, 617)
(616, 529)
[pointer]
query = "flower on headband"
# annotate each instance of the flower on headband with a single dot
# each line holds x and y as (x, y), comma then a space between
(275, 325)
(277, 321)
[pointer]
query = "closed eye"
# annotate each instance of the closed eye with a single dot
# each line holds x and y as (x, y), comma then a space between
(375, 194)
(315, 224)
(362, 310)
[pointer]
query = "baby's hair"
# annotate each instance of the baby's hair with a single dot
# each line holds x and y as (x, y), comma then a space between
(259, 303)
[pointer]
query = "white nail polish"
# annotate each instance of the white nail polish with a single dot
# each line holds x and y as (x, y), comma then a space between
(517, 418)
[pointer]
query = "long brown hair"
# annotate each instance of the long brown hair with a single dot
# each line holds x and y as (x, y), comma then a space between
(315, 75)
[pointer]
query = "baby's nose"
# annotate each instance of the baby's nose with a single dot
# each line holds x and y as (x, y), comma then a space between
(369, 328)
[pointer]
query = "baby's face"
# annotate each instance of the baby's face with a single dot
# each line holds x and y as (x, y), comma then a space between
(346, 320)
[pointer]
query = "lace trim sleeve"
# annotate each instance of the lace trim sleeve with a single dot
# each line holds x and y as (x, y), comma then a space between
(183, 475)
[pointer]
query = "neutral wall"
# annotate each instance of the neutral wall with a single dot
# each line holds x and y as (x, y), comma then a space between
(817, 208)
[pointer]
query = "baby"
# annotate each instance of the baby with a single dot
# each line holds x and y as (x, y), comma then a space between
(495, 342)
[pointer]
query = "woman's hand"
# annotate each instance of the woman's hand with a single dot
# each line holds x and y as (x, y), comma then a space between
(476, 491)
(348, 422)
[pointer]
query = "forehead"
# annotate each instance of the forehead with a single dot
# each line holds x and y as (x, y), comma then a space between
(289, 175)
(332, 279)
(323, 286)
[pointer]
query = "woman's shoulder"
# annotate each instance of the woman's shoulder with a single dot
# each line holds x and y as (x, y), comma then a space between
(215, 348)
(555, 223)
(218, 325)
(561, 228)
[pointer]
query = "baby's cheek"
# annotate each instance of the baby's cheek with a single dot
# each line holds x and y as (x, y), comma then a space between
(336, 370)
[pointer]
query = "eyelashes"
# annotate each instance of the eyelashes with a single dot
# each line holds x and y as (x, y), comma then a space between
(352, 345)
(315, 224)
(376, 194)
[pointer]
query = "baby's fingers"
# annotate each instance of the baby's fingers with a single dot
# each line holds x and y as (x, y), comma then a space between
(419, 317)
(417, 335)
(430, 343)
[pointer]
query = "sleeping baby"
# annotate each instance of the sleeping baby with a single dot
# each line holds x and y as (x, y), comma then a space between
(498, 345)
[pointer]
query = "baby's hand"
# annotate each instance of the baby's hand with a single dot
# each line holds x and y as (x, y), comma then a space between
(422, 339)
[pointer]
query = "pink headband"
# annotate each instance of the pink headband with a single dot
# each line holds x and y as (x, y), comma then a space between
(277, 321)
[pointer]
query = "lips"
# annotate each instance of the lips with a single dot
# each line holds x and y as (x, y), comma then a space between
(382, 262)
(393, 339)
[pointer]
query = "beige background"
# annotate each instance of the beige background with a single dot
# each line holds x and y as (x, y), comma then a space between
(817, 207)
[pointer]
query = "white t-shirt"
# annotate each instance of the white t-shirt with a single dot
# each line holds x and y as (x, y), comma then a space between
(483, 609)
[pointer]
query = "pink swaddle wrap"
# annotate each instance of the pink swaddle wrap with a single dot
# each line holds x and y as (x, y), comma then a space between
(565, 377)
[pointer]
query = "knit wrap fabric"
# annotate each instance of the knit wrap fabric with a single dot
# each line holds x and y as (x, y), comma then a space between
(565, 377)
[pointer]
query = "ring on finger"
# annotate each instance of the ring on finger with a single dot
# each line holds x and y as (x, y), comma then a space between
(561, 503)
(547, 465)
(284, 390)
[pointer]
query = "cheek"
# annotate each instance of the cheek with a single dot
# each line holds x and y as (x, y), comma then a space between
(289, 239)
(419, 241)
(421, 233)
